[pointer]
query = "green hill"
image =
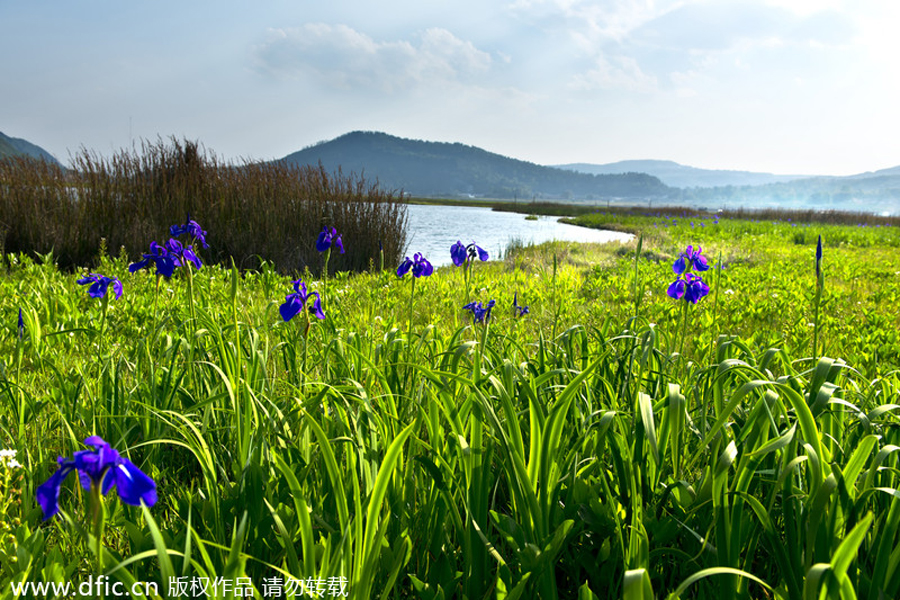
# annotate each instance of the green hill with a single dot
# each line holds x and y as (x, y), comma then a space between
(422, 168)
(6, 149)
(10, 146)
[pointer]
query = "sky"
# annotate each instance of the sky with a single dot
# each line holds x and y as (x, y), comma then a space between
(779, 86)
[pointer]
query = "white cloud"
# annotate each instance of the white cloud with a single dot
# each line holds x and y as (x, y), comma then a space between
(344, 58)
(590, 22)
(614, 73)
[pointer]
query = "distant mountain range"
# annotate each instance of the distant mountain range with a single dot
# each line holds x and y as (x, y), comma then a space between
(680, 176)
(873, 191)
(422, 168)
(10, 146)
(433, 169)
(436, 169)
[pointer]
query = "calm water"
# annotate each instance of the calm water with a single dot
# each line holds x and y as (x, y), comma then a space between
(433, 229)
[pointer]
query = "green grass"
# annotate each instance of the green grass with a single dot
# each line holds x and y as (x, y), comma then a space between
(593, 448)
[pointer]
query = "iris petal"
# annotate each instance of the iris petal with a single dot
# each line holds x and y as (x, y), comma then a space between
(458, 253)
(291, 307)
(141, 264)
(98, 290)
(165, 266)
(676, 290)
(190, 255)
(133, 485)
(48, 492)
(316, 307)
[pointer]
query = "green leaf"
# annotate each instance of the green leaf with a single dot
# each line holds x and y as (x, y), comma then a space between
(715, 571)
(637, 586)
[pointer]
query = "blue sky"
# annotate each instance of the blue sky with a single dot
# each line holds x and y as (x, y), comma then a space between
(784, 86)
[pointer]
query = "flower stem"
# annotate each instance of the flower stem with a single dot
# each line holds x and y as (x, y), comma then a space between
(815, 344)
(412, 291)
(325, 282)
(305, 348)
(190, 291)
(104, 305)
(99, 522)
(637, 287)
(718, 284)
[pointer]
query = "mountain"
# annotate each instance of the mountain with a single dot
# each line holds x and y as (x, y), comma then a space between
(681, 176)
(422, 168)
(10, 146)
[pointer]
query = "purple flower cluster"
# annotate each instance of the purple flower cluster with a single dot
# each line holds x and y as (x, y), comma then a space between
(294, 303)
(418, 264)
(819, 258)
(689, 286)
(192, 228)
(480, 313)
(460, 254)
(329, 238)
(165, 257)
(101, 467)
(99, 285)
(518, 311)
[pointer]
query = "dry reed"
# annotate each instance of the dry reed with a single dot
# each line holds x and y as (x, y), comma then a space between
(253, 211)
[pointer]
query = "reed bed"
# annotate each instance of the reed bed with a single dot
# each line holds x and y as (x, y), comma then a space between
(257, 211)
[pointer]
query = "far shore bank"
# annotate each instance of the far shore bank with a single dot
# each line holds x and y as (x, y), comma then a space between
(563, 209)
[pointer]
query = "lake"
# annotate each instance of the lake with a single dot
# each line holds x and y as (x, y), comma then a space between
(433, 229)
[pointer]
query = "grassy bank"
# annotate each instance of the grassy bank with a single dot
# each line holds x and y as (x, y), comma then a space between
(618, 213)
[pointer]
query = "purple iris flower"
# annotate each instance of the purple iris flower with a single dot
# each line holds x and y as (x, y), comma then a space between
(103, 466)
(293, 303)
(691, 288)
(158, 255)
(329, 238)
(518, 311)
(419, 265)
(99, 284)
(191, 227)
(459, 253)
(480, 313)
(182, 254)
(21, 325)
(689, 259)
(819, 258)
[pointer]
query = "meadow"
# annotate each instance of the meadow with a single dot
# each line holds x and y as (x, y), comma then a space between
(609, 442)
